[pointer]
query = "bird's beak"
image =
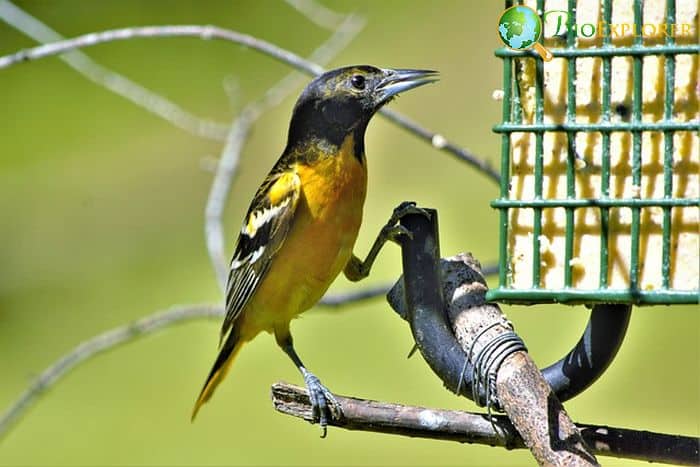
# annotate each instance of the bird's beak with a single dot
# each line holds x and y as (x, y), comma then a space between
(396, 81)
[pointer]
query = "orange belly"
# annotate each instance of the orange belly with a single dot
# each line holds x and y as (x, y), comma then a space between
(318, 246)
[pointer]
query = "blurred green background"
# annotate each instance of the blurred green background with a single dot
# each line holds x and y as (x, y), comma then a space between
(101, 222)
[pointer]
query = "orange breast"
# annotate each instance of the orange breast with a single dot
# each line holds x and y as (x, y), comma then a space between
(319, 243)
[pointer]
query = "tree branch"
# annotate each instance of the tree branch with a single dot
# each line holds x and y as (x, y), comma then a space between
(466, 427)
(343, 298)
(124, 334)
(339, 299)
(99, 344)
(500, 364)
(440, 143)
(212, 32)
(204, 32)
(103, 76)
(317, 13)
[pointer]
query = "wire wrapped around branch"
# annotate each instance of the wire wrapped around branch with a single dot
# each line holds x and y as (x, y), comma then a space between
(430, 291)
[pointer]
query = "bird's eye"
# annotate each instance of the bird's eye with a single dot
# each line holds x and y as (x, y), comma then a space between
(358, 82)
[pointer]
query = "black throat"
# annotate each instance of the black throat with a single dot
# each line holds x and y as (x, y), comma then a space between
(331, 121)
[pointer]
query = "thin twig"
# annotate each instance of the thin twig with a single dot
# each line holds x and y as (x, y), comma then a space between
(317, 13)
(466, 427)
(212, 32)
(204, 32)
(114, 338)
(345, 298)
(238, 135)
(440, 143)
(115, 82)
(99, 344)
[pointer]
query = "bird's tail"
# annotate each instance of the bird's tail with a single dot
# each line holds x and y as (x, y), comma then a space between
(218, 372)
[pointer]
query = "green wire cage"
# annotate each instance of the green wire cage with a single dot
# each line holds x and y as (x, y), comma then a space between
(599, 164)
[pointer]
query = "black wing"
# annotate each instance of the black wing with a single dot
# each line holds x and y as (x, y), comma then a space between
(264, 230)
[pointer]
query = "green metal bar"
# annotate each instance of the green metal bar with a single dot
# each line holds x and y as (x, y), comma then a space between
(594, 202)
(693, 125)
(571, 146)
(636, 146)
(605, 155)
(539, 156)
(610, 51)
(505, 173)
(539, 160)
(516, 116)
(517, 104)
(669, 83)
(575, 296)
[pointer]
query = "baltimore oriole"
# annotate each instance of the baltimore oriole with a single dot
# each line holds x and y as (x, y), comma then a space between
(302, 224)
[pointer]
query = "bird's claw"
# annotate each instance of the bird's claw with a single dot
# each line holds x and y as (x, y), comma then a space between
(392, 230)
(395, 232)
(323, 402)
(405, 208)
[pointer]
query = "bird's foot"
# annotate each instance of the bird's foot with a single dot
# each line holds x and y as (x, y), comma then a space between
(323, 402)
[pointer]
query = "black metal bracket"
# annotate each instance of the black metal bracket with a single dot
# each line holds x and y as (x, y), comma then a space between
(425, 306)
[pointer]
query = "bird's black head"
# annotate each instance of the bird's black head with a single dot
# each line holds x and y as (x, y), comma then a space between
(341, 102)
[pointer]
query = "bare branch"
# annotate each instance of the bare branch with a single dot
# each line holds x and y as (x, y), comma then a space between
(107, 341)
(99, 344)
(500, 365)
(238, 134)
(212, 32)
(344, 298)
(136, 93)
(207, 32)
(386, 417)
(115, 82)
(440, 143)
(317, 13)
(466, 427)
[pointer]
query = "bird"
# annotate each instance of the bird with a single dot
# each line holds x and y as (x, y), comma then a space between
(299, 232)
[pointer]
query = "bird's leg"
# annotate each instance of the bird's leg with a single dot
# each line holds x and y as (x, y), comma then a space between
(357, 269)
(323, 402)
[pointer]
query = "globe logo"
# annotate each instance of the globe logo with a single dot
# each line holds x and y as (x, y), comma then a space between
(520, 28)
